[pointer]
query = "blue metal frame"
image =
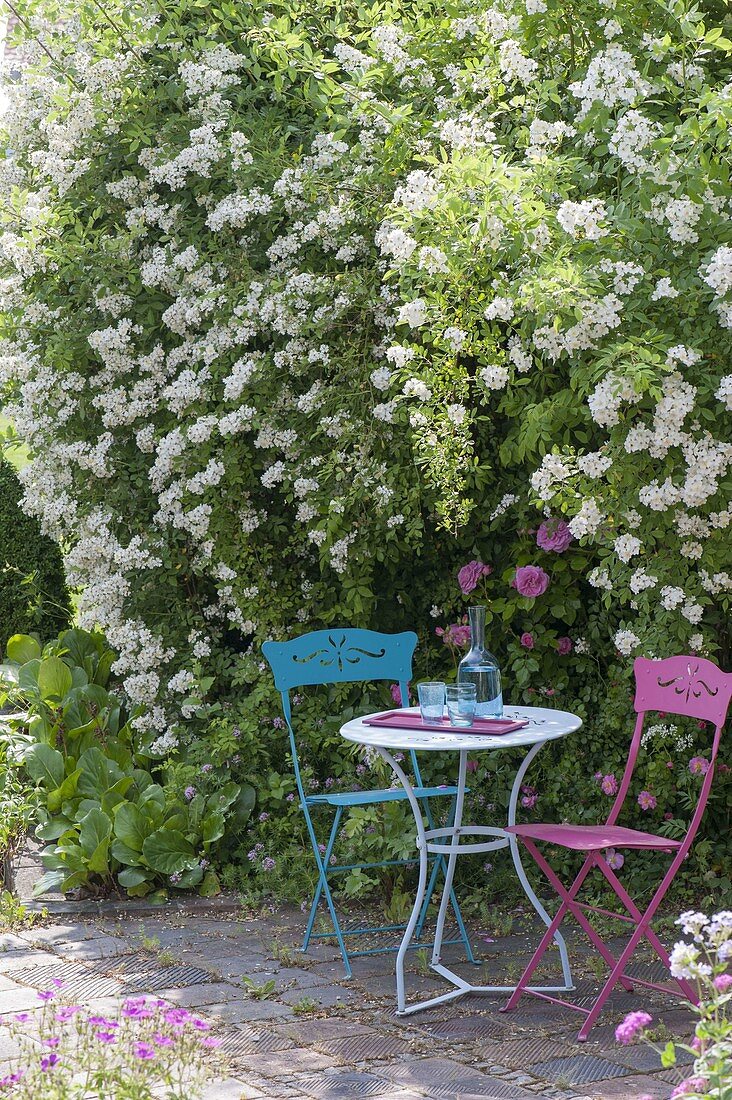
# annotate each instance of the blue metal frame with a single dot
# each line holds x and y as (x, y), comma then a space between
(354, 656)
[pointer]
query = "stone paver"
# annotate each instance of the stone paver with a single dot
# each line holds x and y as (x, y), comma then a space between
(320, 1035)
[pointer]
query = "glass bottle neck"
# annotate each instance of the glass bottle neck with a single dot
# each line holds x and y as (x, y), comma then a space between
(477, 627)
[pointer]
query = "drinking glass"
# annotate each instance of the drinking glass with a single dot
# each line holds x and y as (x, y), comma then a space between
(461, 704)
(431, 700)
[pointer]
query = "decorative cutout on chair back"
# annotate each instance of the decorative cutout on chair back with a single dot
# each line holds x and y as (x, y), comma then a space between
(341, 656)
(683, 685)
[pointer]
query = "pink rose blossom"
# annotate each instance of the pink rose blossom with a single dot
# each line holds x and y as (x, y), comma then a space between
(631, 1025)
(531, 581)
(455, 634)
(470, 574)
(614, 860)
(699, 765)
(609, 785)
(527, 640)
(647, 801)
(554, 535)
(564, 646)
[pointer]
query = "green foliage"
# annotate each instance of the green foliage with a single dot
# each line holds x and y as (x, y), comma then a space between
(33, 593)
(105, 817)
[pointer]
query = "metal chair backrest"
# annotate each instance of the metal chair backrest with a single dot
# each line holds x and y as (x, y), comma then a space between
(339, 656)
(684, 686)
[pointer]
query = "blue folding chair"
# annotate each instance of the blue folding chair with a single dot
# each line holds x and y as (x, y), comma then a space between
(351, 656)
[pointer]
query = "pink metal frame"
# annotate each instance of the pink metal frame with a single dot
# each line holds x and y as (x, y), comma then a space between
(687, 686)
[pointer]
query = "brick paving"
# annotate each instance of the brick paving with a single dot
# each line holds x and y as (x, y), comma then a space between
(320, 1035)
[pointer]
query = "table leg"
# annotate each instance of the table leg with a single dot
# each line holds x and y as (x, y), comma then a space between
(431, 841)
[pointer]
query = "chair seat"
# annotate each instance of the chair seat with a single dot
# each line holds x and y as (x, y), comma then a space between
(364, 798)
(593, 838)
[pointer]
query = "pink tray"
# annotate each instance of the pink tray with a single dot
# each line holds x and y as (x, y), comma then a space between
(493, 727)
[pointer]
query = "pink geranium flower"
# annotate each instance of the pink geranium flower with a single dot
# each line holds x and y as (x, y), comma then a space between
(531, 581)
(564, 646)
(699, 765)
(470, 574)
(647, 801)
(527, 640)
(554, 535)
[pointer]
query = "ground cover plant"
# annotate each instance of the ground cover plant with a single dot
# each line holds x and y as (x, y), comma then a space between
(146, 1048)
(318, 314)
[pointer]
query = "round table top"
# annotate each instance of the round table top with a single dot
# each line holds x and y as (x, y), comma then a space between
(544, 724)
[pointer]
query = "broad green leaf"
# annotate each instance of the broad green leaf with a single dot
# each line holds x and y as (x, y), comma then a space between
(55, 799)
(133, 876)
(168, 851)
(213, 827)
(96, 827)
(54, 680)
(50, 881)
(124, 854)
(98, 773)
(22, 648)
(45, 765)
(210, 885)
(131, 826)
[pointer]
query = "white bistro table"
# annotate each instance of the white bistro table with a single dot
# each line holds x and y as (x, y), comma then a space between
(543, 724)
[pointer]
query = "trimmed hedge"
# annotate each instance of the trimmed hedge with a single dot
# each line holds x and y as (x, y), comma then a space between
(33, 593)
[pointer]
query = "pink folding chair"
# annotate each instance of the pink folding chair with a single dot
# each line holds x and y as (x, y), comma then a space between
(679, 685)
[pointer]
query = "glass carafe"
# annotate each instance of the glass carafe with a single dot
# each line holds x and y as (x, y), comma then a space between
(480, 667)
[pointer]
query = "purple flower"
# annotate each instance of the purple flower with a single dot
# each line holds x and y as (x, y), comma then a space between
(631, 1025)
(723, 983)
(53, 1042)
(609, 784)
(564, 646)
(531, 581)
(527, 640)
(206, 768)
(264, 816)
(161, 1040)
(529, 801)
(46, 994)
(699, 765)
(329, 782)
(647, 801)
(472, 766)
(201, 1025)
(67, 1012)
(106, 1036)
(175, 878)
(614, 860)
(21, 1017)
(291, 797)
(268, 864)
(11, 1079)
(144, 1051)
(396, 693)
(58, 982)
(190, 793)
(278, 723)
(102, 1021)
(210, 1041)
(177, 1016)
(554, 535)
(49, 1061)
(136, 1008)
(470, 574)
(204, 863)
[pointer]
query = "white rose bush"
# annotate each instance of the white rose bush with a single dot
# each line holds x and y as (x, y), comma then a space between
(304, 307)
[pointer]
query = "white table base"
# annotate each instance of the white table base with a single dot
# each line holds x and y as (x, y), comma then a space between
(447, 841)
